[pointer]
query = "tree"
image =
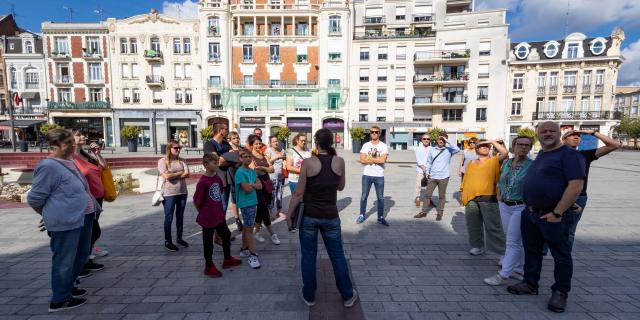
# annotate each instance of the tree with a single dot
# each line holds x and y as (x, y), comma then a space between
(630, 128)
(206, 133)
(48, 126)
(528, 132)
(435, 132)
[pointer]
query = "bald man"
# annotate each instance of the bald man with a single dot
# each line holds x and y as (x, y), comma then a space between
(550, 189)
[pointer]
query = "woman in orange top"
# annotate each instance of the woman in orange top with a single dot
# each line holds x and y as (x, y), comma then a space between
(479, 198)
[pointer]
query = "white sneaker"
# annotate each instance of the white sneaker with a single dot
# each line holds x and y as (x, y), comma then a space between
(92, 256)
(517, 276)
(274, 239)
(244, 253)
(349, 303)
(254, 262)
(476, 251)
(99, 252)
(495, 280)
(258, 237)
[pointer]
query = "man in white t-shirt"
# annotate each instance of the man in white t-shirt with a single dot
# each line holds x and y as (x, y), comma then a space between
(373, 155)
(421, 164)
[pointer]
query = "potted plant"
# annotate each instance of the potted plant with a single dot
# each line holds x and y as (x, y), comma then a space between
(131, 134)
(357, 136)
(206, 133)
(283, 133)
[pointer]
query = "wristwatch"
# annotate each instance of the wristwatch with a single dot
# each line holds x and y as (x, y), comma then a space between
(593, 133)
(557, 215)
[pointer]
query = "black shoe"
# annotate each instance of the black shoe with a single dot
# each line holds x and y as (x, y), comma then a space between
(170, 246)
(522, 288)
(92, 266)
(78, 292)
(183, 243)
(557, 302)
(84, 273)
(66, 305)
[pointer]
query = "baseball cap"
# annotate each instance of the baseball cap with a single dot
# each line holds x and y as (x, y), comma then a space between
(569, 133)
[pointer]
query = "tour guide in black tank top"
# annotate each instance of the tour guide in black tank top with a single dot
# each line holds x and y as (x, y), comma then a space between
(321, 194)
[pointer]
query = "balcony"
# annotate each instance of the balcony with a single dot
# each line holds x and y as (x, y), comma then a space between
(95, 82)
(156, 100)
(553, 90)
(62, 80)
(377, 35)
(441, 56)
(577, 115)
(373, 20)
(90, 105)
(216, 107)
(213, 31)
(440, 79)
(214, 83)
(423, 18)
(569, 89)
(60, 55)
(153, 55)
(541, 91)
(586, 88)
(155, 80)
(599, 88)
(273, 6)
(32, 85)
(439, 100)
(93, 56)
(279, 85)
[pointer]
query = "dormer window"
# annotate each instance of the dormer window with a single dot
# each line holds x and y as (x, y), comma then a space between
(597, 47)
(550, 50)
(522, 51)
(28, 47)
(572, 51)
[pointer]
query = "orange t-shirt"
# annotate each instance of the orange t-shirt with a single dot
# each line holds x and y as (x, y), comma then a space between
(480, 179)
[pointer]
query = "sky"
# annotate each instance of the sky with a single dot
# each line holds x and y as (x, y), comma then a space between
(529, 20)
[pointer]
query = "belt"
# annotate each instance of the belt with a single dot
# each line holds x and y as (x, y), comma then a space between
(512, 203)
(539, 211)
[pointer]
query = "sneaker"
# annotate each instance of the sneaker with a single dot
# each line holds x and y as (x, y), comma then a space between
(231, 262)
(212, 271)
(66, 305)
(307, 302)
(293, 230)
(476, 251)
(99, 252)
(421, 214)
(92, 266)
(517, 276)
(253, 261)
(92, 256)
(349, 303)
(84, 274)
(258, 237)
(439, 216)
(383, 222)
(360, 219)
(244, 253)
(522, 288)
(170, 246)
(495, 280)
(183, 243)
(274, 239)
(78, 292)
(557, 302)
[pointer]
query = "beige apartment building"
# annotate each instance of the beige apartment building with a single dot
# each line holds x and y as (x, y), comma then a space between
(627, 101)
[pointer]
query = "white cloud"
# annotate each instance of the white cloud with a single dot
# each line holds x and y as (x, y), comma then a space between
(630, 70)
(186, 10)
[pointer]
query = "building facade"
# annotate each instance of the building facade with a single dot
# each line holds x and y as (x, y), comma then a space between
(627, 100)
(269, 64)
(157, 85)
(79, 83)
(571, 81)
(416, 65)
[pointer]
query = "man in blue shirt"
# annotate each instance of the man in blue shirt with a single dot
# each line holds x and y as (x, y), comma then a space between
(422, 151)
(438, 172)
(550, 189)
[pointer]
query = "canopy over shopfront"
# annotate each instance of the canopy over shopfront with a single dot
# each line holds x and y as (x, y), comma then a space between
(6, 124)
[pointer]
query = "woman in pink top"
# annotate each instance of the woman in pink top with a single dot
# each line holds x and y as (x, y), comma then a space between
(174, 172)
(91, 165)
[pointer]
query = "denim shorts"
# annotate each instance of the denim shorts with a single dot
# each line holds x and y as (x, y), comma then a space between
(249, 216)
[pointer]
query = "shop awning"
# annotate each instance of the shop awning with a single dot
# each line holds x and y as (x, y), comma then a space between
(30, 95)
(21, 123)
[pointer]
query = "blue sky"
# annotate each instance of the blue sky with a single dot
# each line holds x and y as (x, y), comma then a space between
(530, 20)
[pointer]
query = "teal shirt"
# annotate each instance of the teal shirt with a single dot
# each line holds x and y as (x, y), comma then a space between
(245, 199)
(511, 181)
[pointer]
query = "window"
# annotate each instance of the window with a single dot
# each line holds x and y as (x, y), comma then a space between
(597, 103)
(542, 76)
(247, 53)
(214, 26)
(481, 114)
(216, 101)
(177, 71)
(93, 45)
(553, 79)
(126, 74)
(550, 50)
(135, 74)
(28, 46)
(188, 96)
(302, 29)
(516, 107)
(95, 71)
(483, 71)
(364, 95)
(483, 93)
(485, 48)
(187, 71)
(401, 53)
(522, 51)
(95, 95)
(570, 78)
(214, 51)
(248, 80)
(61, 45)
(136, 95)
(335, 56)
(364, 75)
(518, 80)
(133, 45)
(13, 78)
(155, 44)
(597, 47)
(334, 83)
(451, 114)
(126, 98)
(540, 105)
(334, 101)
(31, 79)
(567, 104)
(275, 29)
(186, 45)
(64, 95)
(334, 25)
(124, 46)
(382, 53)
(177, 45)
(401, 14)
(401, 74)
(274, 54)
(248, 29)
(275, 4)
(179, 96)
(382, 74)
(382, 95)
(584, 104)
(381, 119)
(364, 54)
(572, 51)
(399, 94)
(64, 74)
(157, 96)
(599, 77)
(551, 105)
(586, 78)
(363, 117)
(215, 81)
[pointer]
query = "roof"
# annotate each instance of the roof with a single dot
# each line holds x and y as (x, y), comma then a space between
(586, 45)
(627, 90)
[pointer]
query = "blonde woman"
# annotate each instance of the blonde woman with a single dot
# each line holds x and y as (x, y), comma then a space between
(174, 171)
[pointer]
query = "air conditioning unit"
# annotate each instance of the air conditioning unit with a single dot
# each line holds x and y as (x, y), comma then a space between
(393, 66)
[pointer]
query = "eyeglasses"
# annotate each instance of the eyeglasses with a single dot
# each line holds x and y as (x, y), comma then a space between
(374, 132)
(484, 146)
(426, 139)
(176, 148)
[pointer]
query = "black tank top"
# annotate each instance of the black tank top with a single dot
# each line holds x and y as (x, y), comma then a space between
(321, 192)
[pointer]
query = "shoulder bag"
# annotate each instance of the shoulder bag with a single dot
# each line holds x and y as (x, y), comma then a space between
(157, 197)
(425, 178)
(110, 192)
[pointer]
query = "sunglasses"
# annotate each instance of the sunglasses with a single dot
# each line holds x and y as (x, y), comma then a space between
(426, 139)
(484, 145)
(374, 132)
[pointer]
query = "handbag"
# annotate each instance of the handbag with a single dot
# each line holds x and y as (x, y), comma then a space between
(110, 192)
(157, 197)
(425, 178)
(296, 218)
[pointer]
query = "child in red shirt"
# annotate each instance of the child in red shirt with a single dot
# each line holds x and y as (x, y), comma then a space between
(211, 216)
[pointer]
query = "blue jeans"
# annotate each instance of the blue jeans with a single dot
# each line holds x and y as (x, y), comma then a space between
(226, 193)
(175, 203)
(278, 189)
(581, 201)
(535, 233)
(71, 251)
(292, 186)
(378, 182)
(332, 237)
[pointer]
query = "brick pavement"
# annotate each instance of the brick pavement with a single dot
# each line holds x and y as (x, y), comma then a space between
(415, 269)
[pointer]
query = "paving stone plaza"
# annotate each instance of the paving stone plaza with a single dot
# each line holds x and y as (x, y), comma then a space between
(414, 269)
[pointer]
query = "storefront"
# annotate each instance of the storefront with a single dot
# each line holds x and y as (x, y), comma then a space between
(248, 124)
(181, 125)
(95, 128)
(300, 125)
(337, 127)
(144, 138)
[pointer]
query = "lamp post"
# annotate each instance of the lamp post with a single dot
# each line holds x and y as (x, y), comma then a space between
(13, 133)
